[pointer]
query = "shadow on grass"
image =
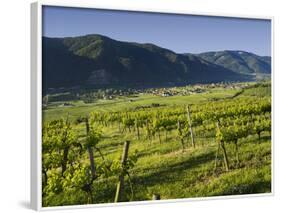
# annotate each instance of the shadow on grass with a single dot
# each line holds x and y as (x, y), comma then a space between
(172, 172)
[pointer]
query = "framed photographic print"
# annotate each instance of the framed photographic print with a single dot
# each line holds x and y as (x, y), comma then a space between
(146, 106)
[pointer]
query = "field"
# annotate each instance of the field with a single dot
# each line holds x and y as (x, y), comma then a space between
(208, 143)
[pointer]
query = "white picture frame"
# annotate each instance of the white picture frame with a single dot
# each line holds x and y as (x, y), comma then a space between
(36, 98)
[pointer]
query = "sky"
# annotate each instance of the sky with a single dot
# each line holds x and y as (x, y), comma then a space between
(179, 33)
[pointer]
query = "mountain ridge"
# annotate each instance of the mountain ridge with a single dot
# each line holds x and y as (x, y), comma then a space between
(97, 61)
(239, 61)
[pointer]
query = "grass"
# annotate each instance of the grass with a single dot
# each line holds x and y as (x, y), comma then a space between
(258, 91)
(164, 168)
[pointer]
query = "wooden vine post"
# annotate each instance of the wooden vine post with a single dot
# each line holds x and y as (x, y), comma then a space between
(159, 135)
(90, 151)
(221, 143)
(119, 195)
(225, 156)
(181, 136)
(190, 126)
(216, 159)
(137, 127)
(156, 197)
(119, 122)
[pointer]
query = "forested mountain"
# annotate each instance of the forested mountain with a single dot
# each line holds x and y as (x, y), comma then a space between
(99, 61)
(239, 61)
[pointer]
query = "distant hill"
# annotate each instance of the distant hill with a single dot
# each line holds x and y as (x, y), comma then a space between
(98, 61)
(239, 61)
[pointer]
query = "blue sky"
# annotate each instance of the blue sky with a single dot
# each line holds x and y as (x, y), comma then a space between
(180, 33)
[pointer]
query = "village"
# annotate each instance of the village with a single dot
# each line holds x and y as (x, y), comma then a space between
(91, 96)
(109, 94)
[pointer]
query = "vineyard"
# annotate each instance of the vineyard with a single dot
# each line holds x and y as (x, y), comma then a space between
(189, 149)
